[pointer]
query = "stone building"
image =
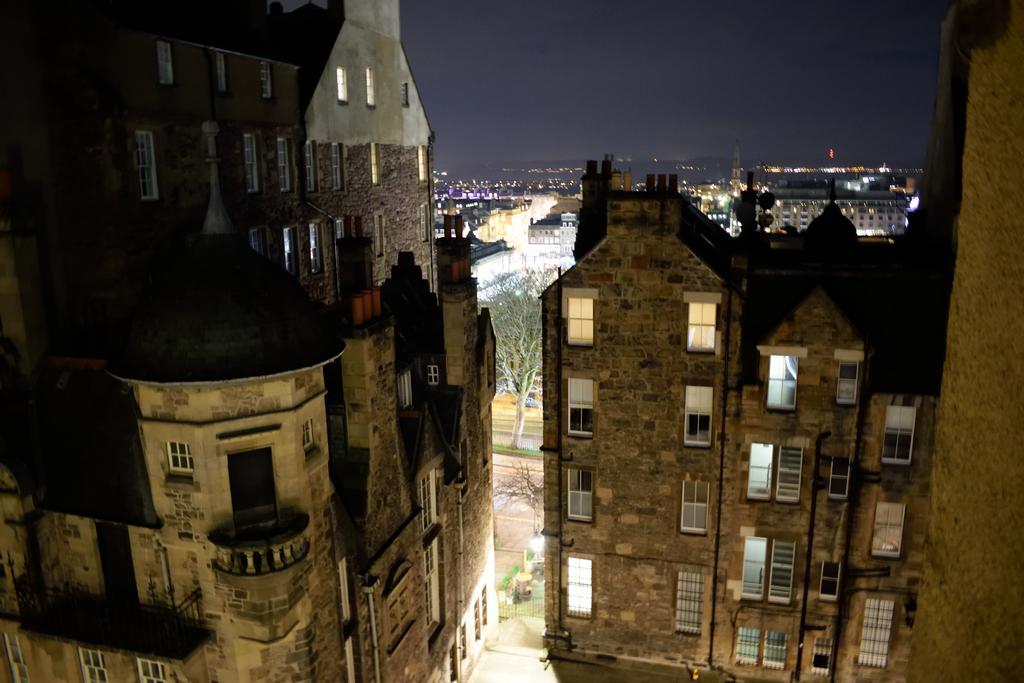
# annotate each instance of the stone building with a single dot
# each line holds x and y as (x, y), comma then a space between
(738, 461)
(233, 498)
(320, 118)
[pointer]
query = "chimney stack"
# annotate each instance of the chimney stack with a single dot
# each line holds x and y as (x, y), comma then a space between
(458, 226)
(661, 182)
(591, 166)
(673, 183)
(650, 182)
(447, 226)
(627, 181)
(606, 166)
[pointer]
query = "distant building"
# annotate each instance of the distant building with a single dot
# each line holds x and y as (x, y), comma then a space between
(875, 205)
(550, 242)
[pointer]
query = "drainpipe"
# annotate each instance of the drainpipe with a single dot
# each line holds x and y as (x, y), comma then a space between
(721, 475)
(810, 547)
(460, 487)
(368, 592)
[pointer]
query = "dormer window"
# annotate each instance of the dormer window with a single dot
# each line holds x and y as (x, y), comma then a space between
(179, 458)
(433, 375)
(404, 389)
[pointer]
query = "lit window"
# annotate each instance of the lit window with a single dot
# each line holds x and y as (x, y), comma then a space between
(759, 479)
(341, 75)
(874, 636)
(164, 63)
(179, 458)
(821, 657)
(350, 661)
(846, 383)
(748, 641)
(404, 389)
(94, 668)
(266, 81)
(478, 630)
(252, 169)
(222, 71)
(782, 382)
(308, 439)
(581, 321)
(694, 514)
(433, 375)
(839, 479)
(371, 96)
(378, 235)
(374, 163)
(343, 588)
(888, 536)
(899, 434)
(774, 650)
(700, 335)
(483, 604)
(787, 488)
(689, 601)
(421, 162)
(580, 587)
(337, 177)
(462, 640)
(405, 94)
(755, 550)
(316, 255)
(309, 156)
(780, 589)
(581, 406)
(284, 167)
(432, 585)
(151, 672)
(697, 415)
(289, 251)
(828, 587)
(427, 499)
(15, 659)
(145, 163)
(581, 495)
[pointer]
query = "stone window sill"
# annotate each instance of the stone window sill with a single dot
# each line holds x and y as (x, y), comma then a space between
(182, 482)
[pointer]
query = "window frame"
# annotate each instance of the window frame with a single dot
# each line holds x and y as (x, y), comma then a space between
(580, 494)
(835, 578)
(788, 496)
(379, 236)
(250, 158)
(694, 405)
(157, 670)
(337, 167)
(421, 162)
(93, 665)
(689, 604)
(266, 80)
(579, 583)
(581, 404)
(308, 435)
(284, 164)
(782, 382)
(371, 88)
(341, 82)
(433, 374)
(164, 62)
(845, 478)
(775, 587)
(701, 326)
(748, 542)
(769, 647)
(145, 165)
(873, 650)
(885, 522)
(288, 251)
(316, 252)
(375, 164)
(424, 222)
(427, 499)
(767, 493)
(15, 658)
(309, 161)
(894, 413)
(581, 339)
(695, 506)
(173, 450)
(221, 71)
(405, 94)
(747, 636)
(403, 388)
(822, 647)
(432, 584)
(847, 382)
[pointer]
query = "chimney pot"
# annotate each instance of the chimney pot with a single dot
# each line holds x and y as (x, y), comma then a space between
(661, 182)
(458, 225)
(627, 181)
(357, 310)
(673, 183)
(606, 166)
(591, 166)
(376, 302)
(650, 182)
(447, 225)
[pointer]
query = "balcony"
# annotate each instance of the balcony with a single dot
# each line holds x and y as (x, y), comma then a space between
(170, 631)
(264, 549)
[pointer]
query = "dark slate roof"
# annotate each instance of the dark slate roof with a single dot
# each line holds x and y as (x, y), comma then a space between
(90, 459)
(419, 328)
(217, 311)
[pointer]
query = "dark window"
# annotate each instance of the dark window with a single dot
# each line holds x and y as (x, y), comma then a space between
(116, 561)
(252, 486)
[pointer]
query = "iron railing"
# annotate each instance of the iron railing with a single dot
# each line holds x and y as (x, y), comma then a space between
(171, 631)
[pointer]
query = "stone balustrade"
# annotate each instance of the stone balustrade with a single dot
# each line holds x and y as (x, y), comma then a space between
(262, 550)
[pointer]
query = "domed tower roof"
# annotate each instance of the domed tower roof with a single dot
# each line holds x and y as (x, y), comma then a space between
(831, 231)
(218, 311)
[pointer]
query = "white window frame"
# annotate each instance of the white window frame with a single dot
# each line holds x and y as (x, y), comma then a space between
(580, 499)
(180, 459)
(700, 329)
(696, 496)
(15, 658)
(404, 388)
(316, 252)
(145, 164)
(284, 165)
(433, 374)
(822, 646)
(341, 80)
(876, 632)
(371, 89)
(750, 565)
(337, 174)
(379, 236)
(779, 382)
(427, 499)
(746, 635)
(309, 158)
(151, 671)
(579, 587)
(827, 574)
(763, 478)
(421, 162)
(788, 480)
(774, 662)
(834, 476)
(266, 81)
(350, 661)
(900, 422)
(288, 249)
(343, 588)
(374, 163)
(698, 402)
(580, 316)
(308, 435)
(164, 63)
(424, 222)
(846, 387)
(252, 166)
(888, 517)
(581, 398)
(221, 69)
(780, 584)
(432, 584)
(689, 601)
(93, 664)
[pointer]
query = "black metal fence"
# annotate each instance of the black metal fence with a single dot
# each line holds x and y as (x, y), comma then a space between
(532, 607)
(171, 631)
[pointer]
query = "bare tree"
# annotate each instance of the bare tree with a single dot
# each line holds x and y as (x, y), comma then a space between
(514, 301)
(524, 484)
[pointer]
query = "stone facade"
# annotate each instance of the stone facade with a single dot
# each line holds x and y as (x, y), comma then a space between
(667, 586)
